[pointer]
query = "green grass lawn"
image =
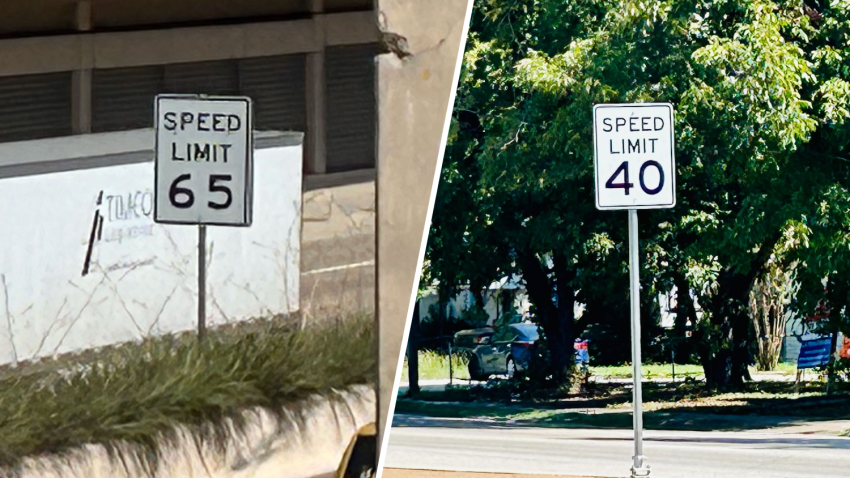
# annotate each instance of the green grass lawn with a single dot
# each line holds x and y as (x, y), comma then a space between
(137, 393)
(548, 417)
(434, 365)
(673, 407)
(666, 370)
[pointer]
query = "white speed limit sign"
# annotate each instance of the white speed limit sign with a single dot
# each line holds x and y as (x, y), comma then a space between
(635, 169)
(633, 149)
(203, 160)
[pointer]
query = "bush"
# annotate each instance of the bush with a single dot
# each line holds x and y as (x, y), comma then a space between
(137, 393)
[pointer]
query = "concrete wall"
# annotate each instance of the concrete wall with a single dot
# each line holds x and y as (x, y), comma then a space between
(266, 449)
(338, 247)
(83, 265)
(80, 36)
(413, 97)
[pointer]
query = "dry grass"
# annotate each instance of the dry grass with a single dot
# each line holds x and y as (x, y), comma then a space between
(136, 394)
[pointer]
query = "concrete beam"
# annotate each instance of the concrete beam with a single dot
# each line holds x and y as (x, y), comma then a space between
(22, 56)
(81, 110)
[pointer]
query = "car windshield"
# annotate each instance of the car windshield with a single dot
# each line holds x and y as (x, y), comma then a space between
(527, 331)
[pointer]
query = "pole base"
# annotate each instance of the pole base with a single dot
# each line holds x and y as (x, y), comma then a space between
(641, 468)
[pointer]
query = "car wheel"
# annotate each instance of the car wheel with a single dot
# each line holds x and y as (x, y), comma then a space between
(475, 370)
(511, 367)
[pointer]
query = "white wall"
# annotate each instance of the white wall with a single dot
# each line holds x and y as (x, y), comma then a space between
(667, 301)
(142, 276)
(464, 300)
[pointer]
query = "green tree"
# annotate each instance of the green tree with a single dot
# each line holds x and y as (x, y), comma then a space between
(761, 96)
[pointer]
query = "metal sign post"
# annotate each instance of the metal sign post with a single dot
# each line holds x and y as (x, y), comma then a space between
(639, 468)
(634, 169)
(203, 169)
(202, 281)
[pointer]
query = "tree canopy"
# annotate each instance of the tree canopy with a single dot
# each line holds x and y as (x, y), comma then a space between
(761, 91)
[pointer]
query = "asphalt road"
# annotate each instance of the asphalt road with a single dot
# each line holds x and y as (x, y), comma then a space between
(607, 453)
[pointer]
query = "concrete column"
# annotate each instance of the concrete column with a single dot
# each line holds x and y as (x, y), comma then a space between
(315, 148)
(413, 97)
(81, 101)
(82, 16)
(316, 151)
(81, 78)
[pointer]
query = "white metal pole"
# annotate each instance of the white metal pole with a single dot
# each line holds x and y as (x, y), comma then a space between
(640, 468)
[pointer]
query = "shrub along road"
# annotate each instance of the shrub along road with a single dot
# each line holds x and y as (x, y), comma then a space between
(138, 393)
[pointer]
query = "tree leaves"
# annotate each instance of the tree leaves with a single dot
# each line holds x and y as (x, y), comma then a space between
(762, 96)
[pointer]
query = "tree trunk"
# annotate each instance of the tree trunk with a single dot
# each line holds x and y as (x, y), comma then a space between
(413, 353)
(729, 339)
(441, 304)
(565, 321)
(506, 300)
(832, 365)
(556, 321)
(768, 317)
(685, 311)
(480, 293)
(729, 354)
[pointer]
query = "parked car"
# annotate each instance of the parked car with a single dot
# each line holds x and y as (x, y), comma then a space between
(507, 350)
(467, 340)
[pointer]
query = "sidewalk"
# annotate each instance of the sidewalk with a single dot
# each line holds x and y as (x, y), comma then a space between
(400, 473)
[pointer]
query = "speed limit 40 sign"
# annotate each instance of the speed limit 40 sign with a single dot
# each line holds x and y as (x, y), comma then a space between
(633, 149)
(203, 160)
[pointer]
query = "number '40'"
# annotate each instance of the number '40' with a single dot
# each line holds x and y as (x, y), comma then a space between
(626, 185)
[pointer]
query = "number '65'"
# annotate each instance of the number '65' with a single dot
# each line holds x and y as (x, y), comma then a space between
(184, 198)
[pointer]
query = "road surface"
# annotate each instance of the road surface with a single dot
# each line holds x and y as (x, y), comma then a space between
(607, 453)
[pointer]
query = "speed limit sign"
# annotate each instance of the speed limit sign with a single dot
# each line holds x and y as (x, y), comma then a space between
(203, 164)
(634, 169)
(633, 148)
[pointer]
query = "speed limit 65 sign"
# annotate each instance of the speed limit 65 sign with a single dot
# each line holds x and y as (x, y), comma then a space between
(633, 149)
(203, 160)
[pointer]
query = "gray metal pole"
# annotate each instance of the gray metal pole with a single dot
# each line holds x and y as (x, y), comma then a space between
(673, 353)
(202, 281)
(640, 468)
(451, 365)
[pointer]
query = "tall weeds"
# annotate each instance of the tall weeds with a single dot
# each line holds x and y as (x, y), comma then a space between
(137, 394)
